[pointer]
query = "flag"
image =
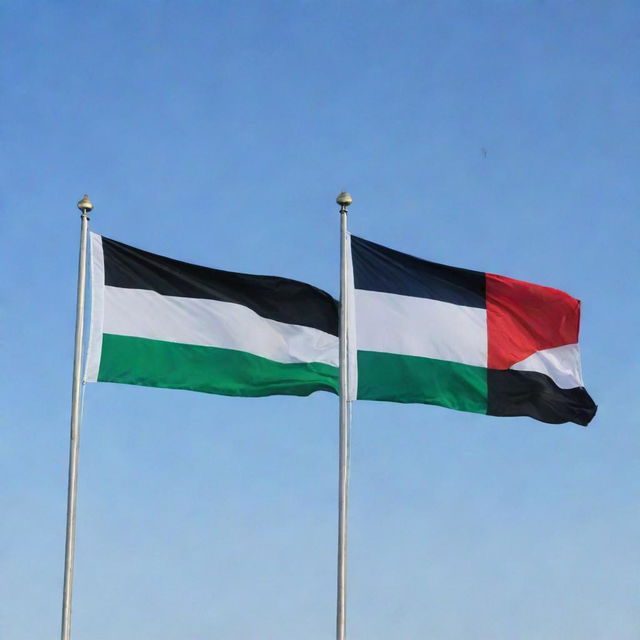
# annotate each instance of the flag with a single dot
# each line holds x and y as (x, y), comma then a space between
(160, 322)
(467, 340)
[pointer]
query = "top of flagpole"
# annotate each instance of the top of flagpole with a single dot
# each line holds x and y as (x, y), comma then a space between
(344, 199)
(85, 205)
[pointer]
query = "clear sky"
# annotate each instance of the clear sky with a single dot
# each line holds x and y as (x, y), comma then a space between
(220, 133)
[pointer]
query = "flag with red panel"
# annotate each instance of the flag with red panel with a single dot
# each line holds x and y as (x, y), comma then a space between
(463, 339)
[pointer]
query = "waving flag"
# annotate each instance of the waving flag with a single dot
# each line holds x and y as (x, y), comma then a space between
(463, 339)
(159, 322)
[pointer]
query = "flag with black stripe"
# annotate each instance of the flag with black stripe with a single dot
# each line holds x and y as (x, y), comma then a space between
(467, 340)
(160, 322)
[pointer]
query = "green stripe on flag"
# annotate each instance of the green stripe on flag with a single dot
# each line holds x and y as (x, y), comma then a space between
(399, 378)
(171, 365)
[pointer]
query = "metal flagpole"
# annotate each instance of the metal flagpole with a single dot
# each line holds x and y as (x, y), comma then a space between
(85, 207)
(344, 200)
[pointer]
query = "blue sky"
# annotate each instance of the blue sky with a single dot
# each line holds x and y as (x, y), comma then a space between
(220, 133)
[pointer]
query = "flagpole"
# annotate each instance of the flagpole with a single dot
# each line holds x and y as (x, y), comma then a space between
(85, 207)
(344, 200)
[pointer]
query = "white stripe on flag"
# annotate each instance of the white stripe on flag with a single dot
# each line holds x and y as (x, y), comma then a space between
(147, 314)
(411, 326)
(561, 364)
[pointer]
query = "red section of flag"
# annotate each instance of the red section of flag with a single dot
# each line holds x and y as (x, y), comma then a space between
(523, 318)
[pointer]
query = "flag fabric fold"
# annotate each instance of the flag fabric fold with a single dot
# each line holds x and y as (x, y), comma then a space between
(467, 340)
(160, 322)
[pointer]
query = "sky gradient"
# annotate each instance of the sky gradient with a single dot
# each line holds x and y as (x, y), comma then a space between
(500, 136)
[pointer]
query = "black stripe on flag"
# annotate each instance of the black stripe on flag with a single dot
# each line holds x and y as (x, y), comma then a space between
(528, 393)
(271, 297)
(378, 268)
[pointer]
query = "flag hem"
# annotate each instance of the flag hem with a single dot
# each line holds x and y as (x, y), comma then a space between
(94, 350)
(352, 343)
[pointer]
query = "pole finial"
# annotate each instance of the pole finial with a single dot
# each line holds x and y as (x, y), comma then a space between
(344, 199)
(85, 205)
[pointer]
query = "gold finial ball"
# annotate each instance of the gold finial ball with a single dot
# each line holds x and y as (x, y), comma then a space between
(344, 199)
(85, 204)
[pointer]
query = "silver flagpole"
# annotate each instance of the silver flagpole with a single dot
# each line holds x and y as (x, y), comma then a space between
(85, 207)
(344, 200)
